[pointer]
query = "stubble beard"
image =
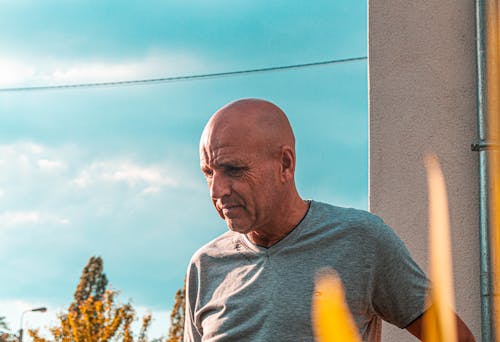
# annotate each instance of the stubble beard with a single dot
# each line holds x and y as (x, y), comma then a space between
(238, 228)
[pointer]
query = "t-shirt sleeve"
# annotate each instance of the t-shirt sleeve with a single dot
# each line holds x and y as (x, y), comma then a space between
(191, 332)
(399, 286)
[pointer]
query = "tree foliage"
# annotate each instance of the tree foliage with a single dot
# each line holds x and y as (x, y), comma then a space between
(3, 324)
(93, 283)
(177, 316)
(5, 334)
(95, 315)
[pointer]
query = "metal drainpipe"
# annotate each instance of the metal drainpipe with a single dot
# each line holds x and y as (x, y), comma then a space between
(488, 94)
(487, 324)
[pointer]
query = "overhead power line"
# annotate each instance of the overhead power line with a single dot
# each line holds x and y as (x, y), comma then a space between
(182, 78)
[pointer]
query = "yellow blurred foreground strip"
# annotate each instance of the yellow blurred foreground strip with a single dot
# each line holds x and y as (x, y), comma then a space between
(332, 320)
(439, 320)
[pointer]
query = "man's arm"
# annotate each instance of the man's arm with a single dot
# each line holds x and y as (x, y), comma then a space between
(463, 332)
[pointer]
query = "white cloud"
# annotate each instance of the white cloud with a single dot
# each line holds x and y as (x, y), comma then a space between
(124, 171)
(23, 71)
(20, 149)
(33, 148)
(83, 179)
(18, 218)
(132, 174)
(64, 185)
(14, 72)
(39, 176)
(21, 153)
(149, 190)
(50, 165)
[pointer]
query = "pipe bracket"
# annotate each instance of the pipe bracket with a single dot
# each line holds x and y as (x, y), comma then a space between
(483, 146)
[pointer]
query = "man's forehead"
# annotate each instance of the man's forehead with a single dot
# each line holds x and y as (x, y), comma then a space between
(241, 133)
(230, 140)
(232, 153)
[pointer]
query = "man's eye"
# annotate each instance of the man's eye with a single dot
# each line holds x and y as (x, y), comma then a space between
(235, 171)
(208, 172)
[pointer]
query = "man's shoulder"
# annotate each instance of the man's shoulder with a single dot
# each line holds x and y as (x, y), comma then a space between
(354, 222)
(219, 246)
(355, 216)
(359, 227)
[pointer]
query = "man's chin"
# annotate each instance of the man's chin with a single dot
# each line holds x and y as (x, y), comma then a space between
(238, 228)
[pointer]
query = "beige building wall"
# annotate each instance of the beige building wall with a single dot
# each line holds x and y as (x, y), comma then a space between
(422, 96)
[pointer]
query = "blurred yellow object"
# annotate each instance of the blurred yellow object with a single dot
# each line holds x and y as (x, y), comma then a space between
(332, 320)
(439, 320)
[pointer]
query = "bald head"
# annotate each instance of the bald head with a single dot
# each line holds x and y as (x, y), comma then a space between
(262, 123)
(247, 154)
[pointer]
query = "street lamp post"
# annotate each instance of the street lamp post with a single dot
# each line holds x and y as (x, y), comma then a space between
(41, 309)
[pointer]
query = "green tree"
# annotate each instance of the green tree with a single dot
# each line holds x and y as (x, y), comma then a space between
(177, 316)
(94, 315)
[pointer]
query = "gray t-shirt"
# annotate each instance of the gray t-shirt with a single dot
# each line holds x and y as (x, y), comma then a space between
(237, 291)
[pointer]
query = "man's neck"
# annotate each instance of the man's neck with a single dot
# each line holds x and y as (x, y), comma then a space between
(279, 231)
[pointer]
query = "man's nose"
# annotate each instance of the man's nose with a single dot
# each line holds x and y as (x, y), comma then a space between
(220, 186)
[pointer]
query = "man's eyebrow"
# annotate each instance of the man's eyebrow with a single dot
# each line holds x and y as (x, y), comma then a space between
(222, 162)
(231, 163)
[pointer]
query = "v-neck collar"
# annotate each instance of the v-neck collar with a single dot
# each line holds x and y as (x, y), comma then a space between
(287, 240)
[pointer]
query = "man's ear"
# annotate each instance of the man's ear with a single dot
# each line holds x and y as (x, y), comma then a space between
(287, 162)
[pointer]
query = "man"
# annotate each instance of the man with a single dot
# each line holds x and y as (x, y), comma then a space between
(256, 281)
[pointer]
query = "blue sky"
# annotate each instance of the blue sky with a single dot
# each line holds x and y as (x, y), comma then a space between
(115, 171)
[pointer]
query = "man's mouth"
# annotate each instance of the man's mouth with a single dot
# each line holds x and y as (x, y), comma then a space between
(230, 210)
